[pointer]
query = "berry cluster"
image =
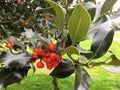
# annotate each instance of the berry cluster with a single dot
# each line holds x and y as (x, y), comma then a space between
(50, 58)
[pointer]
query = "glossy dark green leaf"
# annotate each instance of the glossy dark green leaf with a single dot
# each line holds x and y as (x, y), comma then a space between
(64, 69)
(82, 79)
(89, 5)
(15, 60)
(88, 54)
(102, 42)
(60, 15)
(79, 23)
(29, 34)
(90, 0)
(69, 41)
(43, 41)
(59, 47)
(92, 13)
(98, 9)
(108, 4)
(9, 76)
(99, 24)
(116, 14)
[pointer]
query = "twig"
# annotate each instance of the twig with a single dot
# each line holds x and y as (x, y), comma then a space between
(55, 84)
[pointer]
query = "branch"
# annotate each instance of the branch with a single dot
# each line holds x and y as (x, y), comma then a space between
(55, 84)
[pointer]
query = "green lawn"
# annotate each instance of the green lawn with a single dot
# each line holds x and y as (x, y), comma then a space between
(117, 34)
(41, 81)
(101, 79)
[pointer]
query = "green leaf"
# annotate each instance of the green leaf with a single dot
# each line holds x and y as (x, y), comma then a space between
(99, 24)
(102, 42)
(82, 79)
(5, 33)
(69, 1)
(60, 15)
(75, 56)
(88, 54)
(64, 69)
(68, 41)
(71, 50)
(115, 69)
(108, 4)
(15, 60)
(90, 0)
(79, 23)
(17, 45)
(9, 76)
(29, 34)
(92, 12)
(116, 14)
(47, 10)
(114, 61)
(112, 64)
(91, 7)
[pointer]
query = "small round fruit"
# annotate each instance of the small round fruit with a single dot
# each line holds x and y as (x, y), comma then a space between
(52, 47)
(26, 23)
(40, 64)
(35, 55)
(9, 44)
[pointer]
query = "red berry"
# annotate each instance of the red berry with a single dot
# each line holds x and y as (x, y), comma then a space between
(35, 55)
(49, 66)
(47, 54)
(44, 59)
(53, 56)
(52, 47)
(41, 52)
(48, 60)
(40, 64)
(36, 50)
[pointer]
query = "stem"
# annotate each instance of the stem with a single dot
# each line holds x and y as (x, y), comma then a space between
(93, 64)
(5, 30)
(55, 83)
(10, 22)
(67, 15)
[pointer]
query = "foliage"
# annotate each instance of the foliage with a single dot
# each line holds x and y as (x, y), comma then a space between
(48, 32)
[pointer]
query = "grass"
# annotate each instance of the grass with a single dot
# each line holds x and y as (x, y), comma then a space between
(41, 81)
(101, 79)
(117, 34)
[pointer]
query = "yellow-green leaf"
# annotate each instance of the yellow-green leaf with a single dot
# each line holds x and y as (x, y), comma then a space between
(71, 50)
(79, 23)
(60, 15)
